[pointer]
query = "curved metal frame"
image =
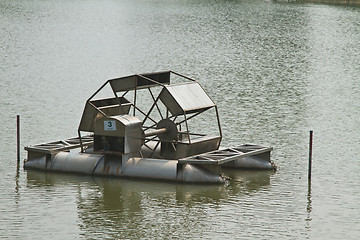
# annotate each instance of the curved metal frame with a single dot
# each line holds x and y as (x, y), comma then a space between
(133, 83)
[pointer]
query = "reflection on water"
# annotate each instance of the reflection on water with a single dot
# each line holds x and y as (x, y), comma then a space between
(309, 207)
(243, 182)
(17, 194)
(248, 181)
(113, 205)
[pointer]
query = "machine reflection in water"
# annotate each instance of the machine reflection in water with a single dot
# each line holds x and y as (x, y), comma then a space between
(104, 204)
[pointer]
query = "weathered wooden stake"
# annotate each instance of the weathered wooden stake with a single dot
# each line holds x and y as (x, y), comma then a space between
(310, 154)
(18, 139)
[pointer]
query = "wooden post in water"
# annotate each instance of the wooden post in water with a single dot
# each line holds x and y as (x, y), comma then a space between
(310, 154)
(18, 139)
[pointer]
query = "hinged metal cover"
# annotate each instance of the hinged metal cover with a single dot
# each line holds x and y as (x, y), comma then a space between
(139, 81)
(185, 98)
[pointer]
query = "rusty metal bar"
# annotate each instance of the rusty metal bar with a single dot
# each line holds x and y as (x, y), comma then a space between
(155, 132)
(136, 83)
(97, 109)
(180, 75)
(187, 127)
(119, 99)
(152, 96)
(146, 140)
(310, 154)
(174, 118)
(151, 80)
(150, 110)
(190, 117)
(218, 119)
(145, 114)
(125, 93)
(97, 91)
(18, 139)
(81, 143)
(153, 151)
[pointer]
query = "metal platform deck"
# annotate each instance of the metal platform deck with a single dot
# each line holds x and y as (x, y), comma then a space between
(61, 145)
(222, 156)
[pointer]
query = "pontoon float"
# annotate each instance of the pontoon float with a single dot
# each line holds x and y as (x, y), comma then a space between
(146, 130)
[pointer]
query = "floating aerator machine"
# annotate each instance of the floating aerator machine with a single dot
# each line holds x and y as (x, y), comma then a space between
(144, 130)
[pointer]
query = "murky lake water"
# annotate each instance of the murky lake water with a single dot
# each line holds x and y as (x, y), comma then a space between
(275, 71)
